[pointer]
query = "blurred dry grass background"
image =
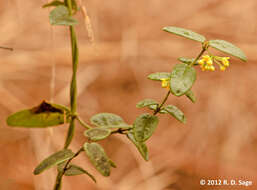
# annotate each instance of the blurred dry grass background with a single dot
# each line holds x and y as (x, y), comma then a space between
(220, 137)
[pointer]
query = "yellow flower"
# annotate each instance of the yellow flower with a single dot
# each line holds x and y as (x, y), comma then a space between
(201, 62)
(165, 82)
(222, 62)
(212, 68)
(222, 68)
(206, 63)
(206, 58)
(209, 62)
(225, 61)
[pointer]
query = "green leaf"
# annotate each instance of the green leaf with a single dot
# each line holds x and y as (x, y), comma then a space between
(191, 96)
(175, 112)
(158, 76)
(73, 170)
(182, 79)
(108, 120)
(44, 115)
(184, 33)
(228, 48)
(96, 134)
(187, 61)
(141, 147)
(53, 3)
(144, 126)
(60, 16)
(98, 158)
(53, 160)
(146, 103)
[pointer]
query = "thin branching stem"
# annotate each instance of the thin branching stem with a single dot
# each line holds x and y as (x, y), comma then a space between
(196, 59)
(158, 109)
(58, 183)
(75, 155)
(205, 46)
(121, 131)
(83, 123)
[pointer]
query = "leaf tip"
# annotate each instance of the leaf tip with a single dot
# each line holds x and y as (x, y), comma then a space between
(184, 121)
(165, 28)
(8, 121)
(36, 171)
(244, 59)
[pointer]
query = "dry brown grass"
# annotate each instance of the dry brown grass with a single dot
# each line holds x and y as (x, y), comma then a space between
(219, 139)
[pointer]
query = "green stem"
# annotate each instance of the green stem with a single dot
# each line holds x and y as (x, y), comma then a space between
(158, 109)
(73, 92)
(75, 155)
(73, 87)
(205, 46)
(58, 183)
(121, 131)
(84, 124)
(196, 59)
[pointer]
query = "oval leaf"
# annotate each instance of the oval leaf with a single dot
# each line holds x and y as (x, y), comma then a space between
(146, 103)
(182, 79)
(228, 48)
(175, 112)
(184, 33)
(60, 16)
(96, 134)
(98, 158)
(191, 96)
(158, 76)
(144, 127)
(141, 147)
(53, 160)
(73, 170)
(108, 120)
(44, 115)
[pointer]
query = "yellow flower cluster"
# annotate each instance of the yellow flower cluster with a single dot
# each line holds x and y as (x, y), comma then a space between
(224, 61)
(206, 63)
(165, 82)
